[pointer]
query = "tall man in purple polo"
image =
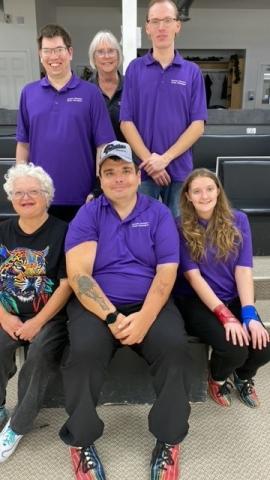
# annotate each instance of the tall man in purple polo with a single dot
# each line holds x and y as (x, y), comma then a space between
(163, 107)
(62, 121)
(122, 257)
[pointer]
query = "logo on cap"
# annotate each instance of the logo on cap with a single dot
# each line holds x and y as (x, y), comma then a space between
(116, 149)
(113, 146)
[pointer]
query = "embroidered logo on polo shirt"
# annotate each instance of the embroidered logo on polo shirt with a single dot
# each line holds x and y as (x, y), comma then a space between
(140, 224)
(74, 99)
(178, 82)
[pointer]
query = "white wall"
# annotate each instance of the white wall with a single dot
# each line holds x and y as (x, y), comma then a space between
(14, 36)
(45, 12)
(207, 29)
(83, 23)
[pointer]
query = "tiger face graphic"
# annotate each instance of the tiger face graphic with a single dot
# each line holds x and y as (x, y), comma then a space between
(23, 277)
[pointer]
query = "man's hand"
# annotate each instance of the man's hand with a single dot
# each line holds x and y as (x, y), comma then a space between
(11, 324)
(161, 178)
(132, 328)
(259, 335)
(117, 327)
(155, 163)
(28, 330)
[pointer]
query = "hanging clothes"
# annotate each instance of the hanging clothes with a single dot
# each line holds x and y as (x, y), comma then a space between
(224, 90)
(208, 83)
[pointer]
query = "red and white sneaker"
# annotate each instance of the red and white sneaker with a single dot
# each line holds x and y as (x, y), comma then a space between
(86, 463)
(165, 462)
(220, 392)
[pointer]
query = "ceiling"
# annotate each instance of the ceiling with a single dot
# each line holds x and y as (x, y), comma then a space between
(217, 4)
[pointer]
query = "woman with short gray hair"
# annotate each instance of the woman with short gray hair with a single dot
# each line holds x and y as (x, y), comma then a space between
(33, 293)
(105, 57)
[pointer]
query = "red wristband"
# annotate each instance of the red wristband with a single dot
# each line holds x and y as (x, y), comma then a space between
(224, 315)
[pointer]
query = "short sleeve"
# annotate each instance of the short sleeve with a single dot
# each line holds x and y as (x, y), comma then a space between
(198, 107)
(186, 262)
(22, 131)
(128, 95)
(167, 239)
(245, 257)
(101, 123)
(83, 227)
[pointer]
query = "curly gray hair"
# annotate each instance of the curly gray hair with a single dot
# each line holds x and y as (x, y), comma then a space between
(29, 170)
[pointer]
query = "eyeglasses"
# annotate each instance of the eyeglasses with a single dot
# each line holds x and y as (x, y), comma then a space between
(102, 52)
(47, 52)
(18, 194)
(167, 21)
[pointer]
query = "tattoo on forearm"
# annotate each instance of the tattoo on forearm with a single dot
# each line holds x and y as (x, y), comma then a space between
(87, 286)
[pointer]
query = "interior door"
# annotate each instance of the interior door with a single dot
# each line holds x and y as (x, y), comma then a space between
(14, 74)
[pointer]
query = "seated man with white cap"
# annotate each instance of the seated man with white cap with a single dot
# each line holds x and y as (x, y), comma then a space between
(122, 256)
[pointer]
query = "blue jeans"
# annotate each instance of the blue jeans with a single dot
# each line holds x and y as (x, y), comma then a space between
(170, 195)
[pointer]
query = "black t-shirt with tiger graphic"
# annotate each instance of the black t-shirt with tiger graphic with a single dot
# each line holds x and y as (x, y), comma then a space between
(31, 265)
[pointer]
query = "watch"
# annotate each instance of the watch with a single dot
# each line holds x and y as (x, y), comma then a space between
(111, 317)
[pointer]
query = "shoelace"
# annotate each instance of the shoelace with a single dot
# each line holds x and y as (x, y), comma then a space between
(163, 456)
(9, 438)
(226, 388)
(248, 387)
(87, 459)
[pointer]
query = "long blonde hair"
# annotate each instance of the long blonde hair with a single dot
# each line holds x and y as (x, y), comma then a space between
(220, 231)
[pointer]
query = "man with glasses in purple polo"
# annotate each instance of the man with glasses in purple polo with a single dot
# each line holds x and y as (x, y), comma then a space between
(62, 121)
(163, 107)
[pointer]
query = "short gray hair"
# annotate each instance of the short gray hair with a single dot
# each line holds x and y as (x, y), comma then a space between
(29, 170)
(108, 37)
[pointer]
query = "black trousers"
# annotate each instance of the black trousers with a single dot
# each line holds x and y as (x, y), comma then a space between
(226, 357)
(92, 346)
(43, 356)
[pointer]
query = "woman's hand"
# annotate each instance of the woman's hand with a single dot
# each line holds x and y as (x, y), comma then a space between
(28, 330)
(236, 333)
(259, 335)
(10, 324)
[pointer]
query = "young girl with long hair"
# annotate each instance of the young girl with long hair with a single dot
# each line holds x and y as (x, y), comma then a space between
(214, 290)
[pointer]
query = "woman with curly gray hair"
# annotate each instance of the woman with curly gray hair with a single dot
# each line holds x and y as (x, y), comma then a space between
(33, 292)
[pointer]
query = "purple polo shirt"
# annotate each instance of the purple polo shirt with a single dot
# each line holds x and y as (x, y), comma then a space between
(128, 250)
(162, 103)
(63, 129)
(220, 275)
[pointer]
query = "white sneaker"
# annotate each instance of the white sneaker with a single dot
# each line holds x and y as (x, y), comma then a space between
(8, 442)
(3, 416)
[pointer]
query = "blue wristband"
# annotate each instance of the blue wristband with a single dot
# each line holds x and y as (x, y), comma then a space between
(249, 313)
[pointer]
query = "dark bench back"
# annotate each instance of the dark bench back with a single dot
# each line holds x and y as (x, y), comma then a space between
(209, 147)
(7, 146)
(6, 209)
(246, 181)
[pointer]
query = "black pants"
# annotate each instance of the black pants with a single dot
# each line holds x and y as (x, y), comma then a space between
(43, 356)
(92, 346)
(226, 357)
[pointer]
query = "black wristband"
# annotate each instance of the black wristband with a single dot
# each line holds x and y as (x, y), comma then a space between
(111, 317)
